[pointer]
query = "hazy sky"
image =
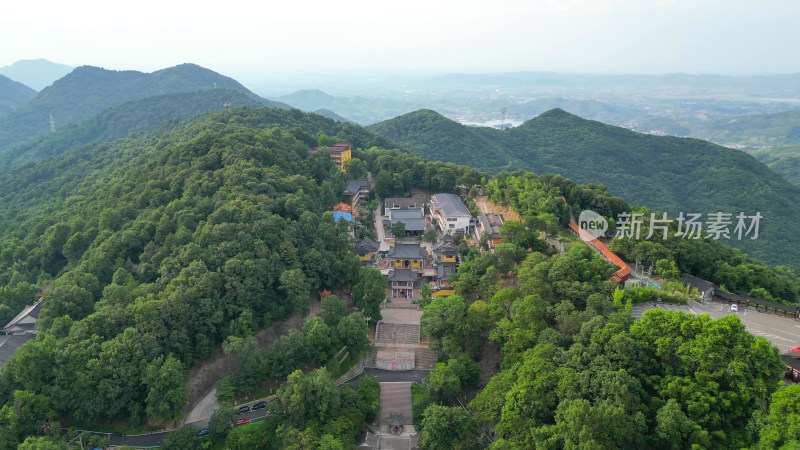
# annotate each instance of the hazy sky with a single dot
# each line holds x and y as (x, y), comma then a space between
(243, 38)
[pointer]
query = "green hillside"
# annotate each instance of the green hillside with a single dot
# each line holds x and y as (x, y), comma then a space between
(784, 160)
(13, 95)
(90, 90)
(755, 130)
(121, 120)
(664, 173)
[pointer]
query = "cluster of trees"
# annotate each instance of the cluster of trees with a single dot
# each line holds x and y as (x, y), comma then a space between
(708, 259)
(577, 371)
(396, 173)
(319, 340)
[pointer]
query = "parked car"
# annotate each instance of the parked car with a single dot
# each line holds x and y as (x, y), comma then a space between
(242, 422)
(202, 432)
(735, 308)
(259, 405)
(243, 409)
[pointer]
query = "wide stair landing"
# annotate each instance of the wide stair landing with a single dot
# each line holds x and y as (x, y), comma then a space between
(401, 303)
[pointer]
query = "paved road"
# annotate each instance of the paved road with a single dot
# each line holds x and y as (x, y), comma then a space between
(782, 332)
(154, 439)
(379, 230)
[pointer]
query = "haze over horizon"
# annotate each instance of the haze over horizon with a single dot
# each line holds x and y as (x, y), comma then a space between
(250, 42)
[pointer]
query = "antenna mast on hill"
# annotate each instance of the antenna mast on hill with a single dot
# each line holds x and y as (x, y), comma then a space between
(52, 124)
(503, 113)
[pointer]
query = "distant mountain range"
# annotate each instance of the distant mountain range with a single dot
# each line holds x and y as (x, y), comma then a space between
(89, 90)
(330, 115)
(35, 73)
(361, 110)
(755, 130)
(122, 120)
(13, 95)
(538, 79)
(664, 173)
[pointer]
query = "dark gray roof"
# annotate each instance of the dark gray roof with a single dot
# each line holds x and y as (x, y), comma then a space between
(365, 246)
(403, 275)
(791, 360)
(697, 283)
(445, 247)
(353, 186)
(754, 301)
(407, 214)
(415, 224)
(31, 311)
(491, 223)
(450, 205)
(10, 344)
(403, 203)
(406, 251)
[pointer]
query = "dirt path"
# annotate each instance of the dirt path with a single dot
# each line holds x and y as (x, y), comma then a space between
(484, 205)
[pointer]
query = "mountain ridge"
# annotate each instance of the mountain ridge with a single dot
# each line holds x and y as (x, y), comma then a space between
(122, 120)
(89, 90)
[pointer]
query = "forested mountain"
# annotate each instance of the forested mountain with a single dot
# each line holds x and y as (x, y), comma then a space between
(35, 73)
(168, 242)
(13, 95)
(121, 120)
(664, 173)
(785, 160)
(89, 90)
(162, 245)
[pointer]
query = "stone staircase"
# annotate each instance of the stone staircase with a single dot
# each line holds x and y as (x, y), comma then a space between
(424, 358)
(396, 398)
(368, 359)
(400, 333)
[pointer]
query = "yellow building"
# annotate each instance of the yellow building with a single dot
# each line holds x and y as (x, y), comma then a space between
(339, 153)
